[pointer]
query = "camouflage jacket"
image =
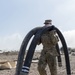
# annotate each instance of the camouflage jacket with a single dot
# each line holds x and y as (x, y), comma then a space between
(49, 40)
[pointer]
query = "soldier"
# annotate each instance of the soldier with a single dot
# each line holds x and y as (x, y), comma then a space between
(48, 54)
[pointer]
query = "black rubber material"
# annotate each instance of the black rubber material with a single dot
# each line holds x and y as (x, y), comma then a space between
(65, 51)
(34, 43)
(32, 49)
(23, 49)
(58, 50)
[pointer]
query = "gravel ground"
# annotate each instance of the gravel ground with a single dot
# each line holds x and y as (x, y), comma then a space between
(33, 68)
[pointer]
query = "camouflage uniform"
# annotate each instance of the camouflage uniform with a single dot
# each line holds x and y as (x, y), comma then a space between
(49, 53)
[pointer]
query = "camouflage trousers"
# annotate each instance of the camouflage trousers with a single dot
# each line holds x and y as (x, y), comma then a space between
(45, 59)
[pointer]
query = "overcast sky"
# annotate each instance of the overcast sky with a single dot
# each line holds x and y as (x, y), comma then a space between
(18, 17)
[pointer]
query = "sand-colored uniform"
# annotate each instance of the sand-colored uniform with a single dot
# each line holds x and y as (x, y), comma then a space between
(49, 53)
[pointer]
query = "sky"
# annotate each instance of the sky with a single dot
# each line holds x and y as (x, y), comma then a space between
(18, 17)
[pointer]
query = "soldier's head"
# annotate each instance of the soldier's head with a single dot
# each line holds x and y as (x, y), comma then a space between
(48, 22)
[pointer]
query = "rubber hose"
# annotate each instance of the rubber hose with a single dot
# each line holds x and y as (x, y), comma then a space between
(23, 49)
(58, 50)
(65, 51)
(32, 47)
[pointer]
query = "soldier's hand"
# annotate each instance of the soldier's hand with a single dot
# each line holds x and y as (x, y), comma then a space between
(60, 64)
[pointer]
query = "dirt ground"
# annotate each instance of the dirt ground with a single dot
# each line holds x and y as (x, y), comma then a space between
(33, 68)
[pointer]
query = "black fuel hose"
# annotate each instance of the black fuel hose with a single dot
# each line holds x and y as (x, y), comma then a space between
(33, 44)
(59, 55)
(23, 49)
(65, 51)
(32, 47)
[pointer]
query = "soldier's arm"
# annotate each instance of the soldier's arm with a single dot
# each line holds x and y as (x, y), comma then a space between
(53, 37)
